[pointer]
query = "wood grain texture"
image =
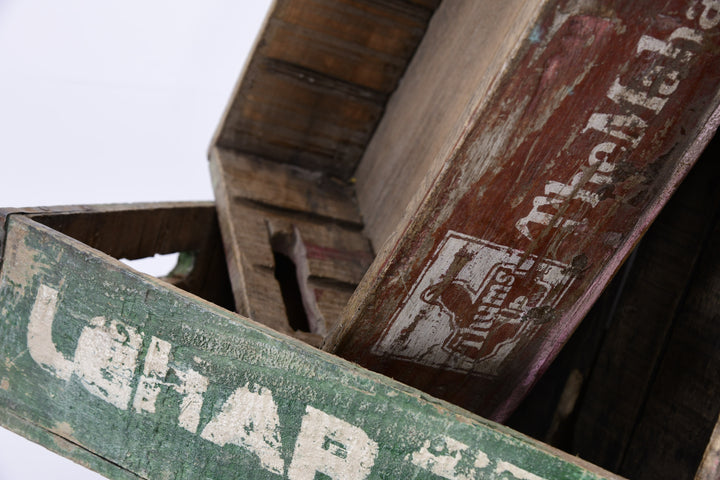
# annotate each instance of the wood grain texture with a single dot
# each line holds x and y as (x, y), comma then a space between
(285, 187)
(582, 140)
(677, 417)
(137, 379)
(319, 78)
(136, 231)
(463, 53)
(635, 343)
(266, 209)
(539, 414)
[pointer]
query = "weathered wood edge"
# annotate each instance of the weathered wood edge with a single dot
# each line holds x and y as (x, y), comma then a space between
(99, 208)
(62, 446)
(239, 83)
(387, 207)
(462, 419)
(54, 214)
(637, 337)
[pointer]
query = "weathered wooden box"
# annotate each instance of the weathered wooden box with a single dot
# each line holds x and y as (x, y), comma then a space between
(497, 162)
(436, 191)
(490, 167)
(136, 378)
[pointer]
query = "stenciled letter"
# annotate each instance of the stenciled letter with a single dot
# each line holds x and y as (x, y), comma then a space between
(39, 335)
(332, 447)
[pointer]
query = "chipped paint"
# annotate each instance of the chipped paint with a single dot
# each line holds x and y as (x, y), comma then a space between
(550, 174)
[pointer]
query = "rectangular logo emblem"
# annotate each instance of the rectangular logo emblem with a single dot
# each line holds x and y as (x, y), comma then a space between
(474, 303)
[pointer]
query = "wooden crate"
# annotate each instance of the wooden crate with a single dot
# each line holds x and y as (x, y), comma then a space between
(135, 378)
(437, 191)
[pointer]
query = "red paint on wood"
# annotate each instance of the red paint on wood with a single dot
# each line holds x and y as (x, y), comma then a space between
(599, 118)
(319, 252)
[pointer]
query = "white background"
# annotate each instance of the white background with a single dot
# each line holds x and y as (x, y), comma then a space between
(111, 102)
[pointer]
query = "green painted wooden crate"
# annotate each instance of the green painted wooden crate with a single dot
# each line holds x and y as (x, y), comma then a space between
(135, 378)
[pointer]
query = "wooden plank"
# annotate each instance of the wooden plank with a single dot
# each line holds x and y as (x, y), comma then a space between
(269, 209)
(146, 381)
(681, 408)
(632, 323)
(638, 333)
(317, 83)
(583, 136)
(132, 230)
(447, 80)
(549, 412)
(284, 187)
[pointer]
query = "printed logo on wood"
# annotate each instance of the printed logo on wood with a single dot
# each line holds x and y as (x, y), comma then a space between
(474, 303)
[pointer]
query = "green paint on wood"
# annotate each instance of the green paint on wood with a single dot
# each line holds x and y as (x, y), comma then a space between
(133, 377)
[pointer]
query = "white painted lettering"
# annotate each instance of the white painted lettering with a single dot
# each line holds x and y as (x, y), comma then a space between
(629, 128)
(154, 371)
(686, 33)
(710, 17)
(332, 447)
(621, 93)
(192, 385)
(39, 336)
(542, 218)
(516, 472)
(661, 47)
(250, 420)
(602, 165)
(105, 355)
(481, 460)
(105, 360)
(572, 190)
(441, 458)
(668, 79)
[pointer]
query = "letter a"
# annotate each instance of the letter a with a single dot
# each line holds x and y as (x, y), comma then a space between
(333, 447)
(250, 420)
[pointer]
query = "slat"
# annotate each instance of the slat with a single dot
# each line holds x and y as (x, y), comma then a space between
(682, 405)
(266, 209)
(585, 132)
(667, 257)
(318, 80)
(133, 230)
(137, 379)
(292, 189)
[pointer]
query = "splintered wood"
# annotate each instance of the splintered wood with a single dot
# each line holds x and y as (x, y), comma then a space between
(277, 215)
